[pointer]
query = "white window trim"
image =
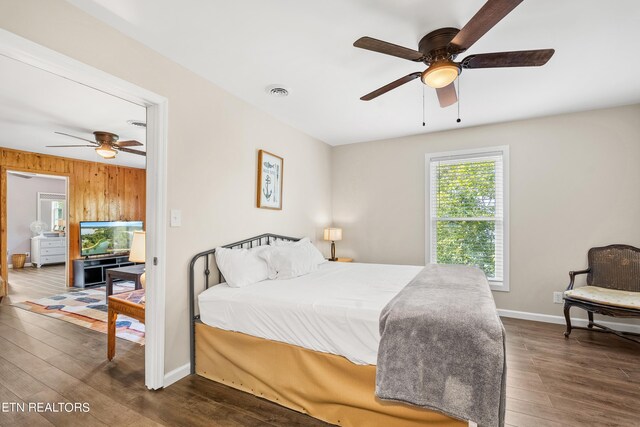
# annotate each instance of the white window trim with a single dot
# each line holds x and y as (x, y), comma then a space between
(495, 286)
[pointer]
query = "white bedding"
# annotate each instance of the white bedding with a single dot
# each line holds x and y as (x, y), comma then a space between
(335, 309)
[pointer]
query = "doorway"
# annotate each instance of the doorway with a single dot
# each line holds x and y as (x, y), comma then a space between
(18, 48)
(37, 241)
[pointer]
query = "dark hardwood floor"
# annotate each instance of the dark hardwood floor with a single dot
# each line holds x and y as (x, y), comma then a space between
(591, 379)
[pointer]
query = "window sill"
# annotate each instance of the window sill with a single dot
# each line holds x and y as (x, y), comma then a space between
(499, 286)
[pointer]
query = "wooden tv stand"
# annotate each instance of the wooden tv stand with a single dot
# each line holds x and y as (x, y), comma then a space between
(93, 271)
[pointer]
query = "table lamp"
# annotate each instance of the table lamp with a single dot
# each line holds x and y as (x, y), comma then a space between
(333, 234)
(137, 252)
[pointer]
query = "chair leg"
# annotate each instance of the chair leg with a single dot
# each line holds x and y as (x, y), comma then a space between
(590, 325)
(567, 319)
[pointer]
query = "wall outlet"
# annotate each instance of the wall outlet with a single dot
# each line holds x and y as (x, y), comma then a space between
(557, 297)
(28, 254)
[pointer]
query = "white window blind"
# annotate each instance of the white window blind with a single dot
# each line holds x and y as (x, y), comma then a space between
(467, 211)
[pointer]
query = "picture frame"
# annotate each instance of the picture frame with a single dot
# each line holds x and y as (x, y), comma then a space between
(270, 179)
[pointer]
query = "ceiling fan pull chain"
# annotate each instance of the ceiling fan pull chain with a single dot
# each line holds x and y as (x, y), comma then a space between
(458, 119)
(423, 112)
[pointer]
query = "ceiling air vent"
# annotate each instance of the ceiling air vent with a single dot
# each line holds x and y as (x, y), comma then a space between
(277, 91)
(137, 123)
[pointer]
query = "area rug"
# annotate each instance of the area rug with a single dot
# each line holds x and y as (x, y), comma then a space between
(88, 308)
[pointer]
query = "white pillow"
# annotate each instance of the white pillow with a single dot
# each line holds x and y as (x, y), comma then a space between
(242, 267)
(303, 243)
(287, 262)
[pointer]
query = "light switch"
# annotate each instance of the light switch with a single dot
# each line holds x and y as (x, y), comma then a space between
(176, 218)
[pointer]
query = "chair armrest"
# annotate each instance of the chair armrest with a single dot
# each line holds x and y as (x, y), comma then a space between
(573, 274)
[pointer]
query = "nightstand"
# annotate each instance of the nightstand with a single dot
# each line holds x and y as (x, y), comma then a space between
(342, 260)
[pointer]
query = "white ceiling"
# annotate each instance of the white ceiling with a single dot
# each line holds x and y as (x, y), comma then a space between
(246, 45)
(34, 104)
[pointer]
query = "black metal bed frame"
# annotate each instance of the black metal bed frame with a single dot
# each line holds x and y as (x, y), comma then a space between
(209, 260)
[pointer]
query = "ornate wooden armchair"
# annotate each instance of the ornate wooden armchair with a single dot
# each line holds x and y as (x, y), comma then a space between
(613, 287)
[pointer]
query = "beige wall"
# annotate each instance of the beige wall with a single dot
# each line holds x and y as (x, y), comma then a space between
(575, 183)
(213, 143)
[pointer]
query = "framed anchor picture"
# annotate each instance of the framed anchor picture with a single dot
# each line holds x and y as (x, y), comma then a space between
(269, 180)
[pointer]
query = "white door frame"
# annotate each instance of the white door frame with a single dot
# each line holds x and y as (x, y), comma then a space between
(28, 52)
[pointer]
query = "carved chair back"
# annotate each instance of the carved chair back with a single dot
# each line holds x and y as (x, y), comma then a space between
(615, 267)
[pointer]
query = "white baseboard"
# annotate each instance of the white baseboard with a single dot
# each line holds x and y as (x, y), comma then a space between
(548, 318)
(177, 374)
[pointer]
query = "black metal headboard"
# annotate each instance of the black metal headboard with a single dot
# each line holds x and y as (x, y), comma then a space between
(208, 260)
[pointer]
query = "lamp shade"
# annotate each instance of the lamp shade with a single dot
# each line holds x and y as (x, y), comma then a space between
(137, 252)
(333, 234)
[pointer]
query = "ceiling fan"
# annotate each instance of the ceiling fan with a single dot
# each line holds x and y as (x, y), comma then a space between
(439, 49)
(106, 144)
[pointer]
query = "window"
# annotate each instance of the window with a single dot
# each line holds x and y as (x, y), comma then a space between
(467, 220)
(57, 215)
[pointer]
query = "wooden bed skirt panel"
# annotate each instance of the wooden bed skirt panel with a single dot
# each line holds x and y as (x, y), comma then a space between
(325, 386)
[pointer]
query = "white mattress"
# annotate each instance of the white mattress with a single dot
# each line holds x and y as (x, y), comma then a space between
(333, 310)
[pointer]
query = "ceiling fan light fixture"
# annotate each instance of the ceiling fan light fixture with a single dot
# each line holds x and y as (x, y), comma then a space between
(440, 74)
(106, 151)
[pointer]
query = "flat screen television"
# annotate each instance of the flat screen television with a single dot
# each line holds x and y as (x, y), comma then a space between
(107, 237)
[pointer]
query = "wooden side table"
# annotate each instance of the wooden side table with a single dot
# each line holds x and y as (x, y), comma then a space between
(128, 303)
(132, 272)
(342, 260)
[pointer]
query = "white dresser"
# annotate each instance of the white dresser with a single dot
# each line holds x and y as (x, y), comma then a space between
(48, 250)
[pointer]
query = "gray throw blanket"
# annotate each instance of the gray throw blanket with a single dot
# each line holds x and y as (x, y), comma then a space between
(442, 346)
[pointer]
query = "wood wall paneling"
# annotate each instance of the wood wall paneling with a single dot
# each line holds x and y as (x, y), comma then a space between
(96, 192)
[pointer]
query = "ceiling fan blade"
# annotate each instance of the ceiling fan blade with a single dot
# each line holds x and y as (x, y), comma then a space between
(130, 143)
(76, 137)
(92, 146)
(387, 48)
(447, 95)
(488, 16)
(386, 88)
(521, 58)
(129, 150)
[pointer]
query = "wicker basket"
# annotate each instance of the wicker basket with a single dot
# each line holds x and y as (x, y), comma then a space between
(18, 260)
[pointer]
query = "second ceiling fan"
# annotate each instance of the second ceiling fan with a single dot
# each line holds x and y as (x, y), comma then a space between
(106, 144)
(439, 49)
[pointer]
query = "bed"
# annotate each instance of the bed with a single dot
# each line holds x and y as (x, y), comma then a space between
(308, 343)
